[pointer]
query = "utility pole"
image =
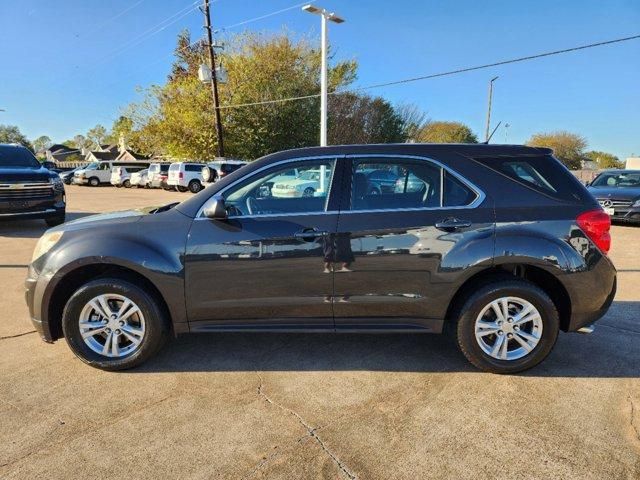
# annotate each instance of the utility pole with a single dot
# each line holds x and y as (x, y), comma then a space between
(214, 80)
(486, 135)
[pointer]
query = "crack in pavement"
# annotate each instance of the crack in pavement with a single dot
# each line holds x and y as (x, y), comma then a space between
(311, 432)
(18, 335)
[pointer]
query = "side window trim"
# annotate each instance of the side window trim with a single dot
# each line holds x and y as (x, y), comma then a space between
(332, 189)
(480, 195)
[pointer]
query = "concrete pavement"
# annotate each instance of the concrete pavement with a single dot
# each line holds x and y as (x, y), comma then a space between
(315, 406)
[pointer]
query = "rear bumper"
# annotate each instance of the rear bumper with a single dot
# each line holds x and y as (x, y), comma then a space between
(595, 298)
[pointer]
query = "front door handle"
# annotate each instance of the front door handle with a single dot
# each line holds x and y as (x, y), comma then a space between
(451, 224)
(310, 234)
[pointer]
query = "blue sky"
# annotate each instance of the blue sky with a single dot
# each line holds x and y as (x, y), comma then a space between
(70, 64)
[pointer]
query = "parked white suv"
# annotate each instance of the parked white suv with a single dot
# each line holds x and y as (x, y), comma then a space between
(186, 176)
(140, 179)
(121, 173)
(158, 175)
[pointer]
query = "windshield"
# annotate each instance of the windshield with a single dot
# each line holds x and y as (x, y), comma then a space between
(17, 157)
(617, 180)
(91, 166)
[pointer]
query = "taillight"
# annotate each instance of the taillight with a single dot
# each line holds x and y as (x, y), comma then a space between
(181, 175)
(596, 225)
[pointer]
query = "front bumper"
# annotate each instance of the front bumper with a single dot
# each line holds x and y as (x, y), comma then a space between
(80, 181)
(31, 287)
(630, 214)
(26, 208)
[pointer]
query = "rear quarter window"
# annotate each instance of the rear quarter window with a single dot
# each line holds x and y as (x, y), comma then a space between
(542, 173)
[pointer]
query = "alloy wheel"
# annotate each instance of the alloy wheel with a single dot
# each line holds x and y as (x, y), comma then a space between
(508, 328)
(112, 325)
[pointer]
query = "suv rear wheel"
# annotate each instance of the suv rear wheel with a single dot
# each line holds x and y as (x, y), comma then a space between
(112, 324)
(507, 326)
(195, 186)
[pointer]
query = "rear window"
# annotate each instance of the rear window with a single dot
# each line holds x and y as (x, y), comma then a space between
(542, 173)
(174, 167)
(164, 167)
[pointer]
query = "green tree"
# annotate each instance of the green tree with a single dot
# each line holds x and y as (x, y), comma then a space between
(604, 160)
(362, 119)
(567, 147)
(446, 132)
(177, 119)
(42, 143)
(122, 128)
(97, 135)
(12, 134)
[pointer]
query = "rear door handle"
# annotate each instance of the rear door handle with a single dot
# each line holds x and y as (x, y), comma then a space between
(451, 224)
(309, 234)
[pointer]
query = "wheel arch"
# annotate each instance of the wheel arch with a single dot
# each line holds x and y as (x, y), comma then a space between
(73, 279)
(537, 275)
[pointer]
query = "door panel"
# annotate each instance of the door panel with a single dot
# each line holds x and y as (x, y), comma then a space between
(404, 267)
(260, 271)
(263, 267)
(401, 269)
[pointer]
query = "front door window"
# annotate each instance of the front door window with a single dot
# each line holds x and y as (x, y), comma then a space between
(283, 190)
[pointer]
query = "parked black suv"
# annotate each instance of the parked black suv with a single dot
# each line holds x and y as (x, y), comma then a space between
(500, 246)
(618, 192)
(27, 189)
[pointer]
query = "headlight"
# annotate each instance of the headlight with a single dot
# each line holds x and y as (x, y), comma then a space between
(57, 183)
(636, 203)
(46, 243)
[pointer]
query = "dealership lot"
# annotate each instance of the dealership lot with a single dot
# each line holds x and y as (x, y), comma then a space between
(315, 406)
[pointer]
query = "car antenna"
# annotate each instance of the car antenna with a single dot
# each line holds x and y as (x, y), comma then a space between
(486, 142)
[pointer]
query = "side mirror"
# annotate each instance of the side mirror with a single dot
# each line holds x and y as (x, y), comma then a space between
(214, 208)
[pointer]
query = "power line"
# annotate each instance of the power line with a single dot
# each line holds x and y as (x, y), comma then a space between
(159, 27)
(441, 74)
(111, 19)
(262, 17)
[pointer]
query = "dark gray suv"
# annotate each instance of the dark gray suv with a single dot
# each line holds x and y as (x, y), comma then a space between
(499, 246)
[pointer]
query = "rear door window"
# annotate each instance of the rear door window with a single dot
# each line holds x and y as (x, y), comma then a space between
(390, 183)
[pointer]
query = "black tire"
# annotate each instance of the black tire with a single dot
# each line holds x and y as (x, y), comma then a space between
(182, 189)
(94, 181)
(55, 221)
(195, 186)
(374, 191)
(471, 306)
(308, 192)
(156, 323)
(126, 183)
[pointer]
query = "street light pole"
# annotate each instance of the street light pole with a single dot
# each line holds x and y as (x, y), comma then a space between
(486, 135)
(325, 15)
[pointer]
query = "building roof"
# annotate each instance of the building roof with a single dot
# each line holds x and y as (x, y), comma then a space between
(104, 155)
(137, 156)
(60, 148)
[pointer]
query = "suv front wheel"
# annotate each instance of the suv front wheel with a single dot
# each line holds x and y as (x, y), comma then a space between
(112, 324)
(507, 326)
